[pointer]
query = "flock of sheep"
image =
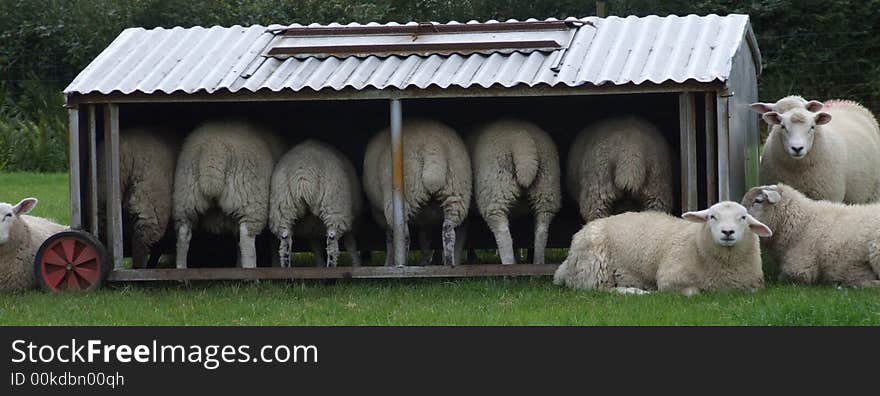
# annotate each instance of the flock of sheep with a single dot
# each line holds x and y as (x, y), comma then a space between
(234, 177)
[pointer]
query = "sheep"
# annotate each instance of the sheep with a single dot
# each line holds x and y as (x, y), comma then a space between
(827, 151)
(818, 241)
(315, 192)
(20, 238)
(222, 182)
(615, 160)
(437, 181)
(147, 159)
(515, 161)
(635, 252)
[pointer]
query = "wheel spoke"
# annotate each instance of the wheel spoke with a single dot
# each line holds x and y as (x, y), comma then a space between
(51, 257)
(72, 283)
(68, 246)
(87, 274)
(54, 278)
(85, 256)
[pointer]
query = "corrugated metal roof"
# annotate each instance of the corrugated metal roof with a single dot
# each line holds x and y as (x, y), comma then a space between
(613, 50)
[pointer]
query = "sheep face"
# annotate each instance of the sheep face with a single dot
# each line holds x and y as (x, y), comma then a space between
(727, 222)
(9, 215)
(761, 200)
(796, 129)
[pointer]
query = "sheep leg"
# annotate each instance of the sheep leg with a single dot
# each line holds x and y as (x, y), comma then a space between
(285, 247)
(184, 235)
(389, 248)
(542, 228)
(425, 246)
(448, 241)
(317, 254)
(139, 251)
(247, 246)
(351, 247)
(501, 229)
(460, 235)
(332, 248)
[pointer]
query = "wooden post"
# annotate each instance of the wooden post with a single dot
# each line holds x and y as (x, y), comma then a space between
(711, 153)
(397, 192)
(73, 143)
(93, 172)
(114, 200)
(723, 146)
(688, 145)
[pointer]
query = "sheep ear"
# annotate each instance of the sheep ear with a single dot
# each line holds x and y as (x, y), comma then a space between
(773, 196)
(823, 118)
(759, 228)
(696, 217)
(25, 206)
(772, 118)
(761, 108)
(814, 105)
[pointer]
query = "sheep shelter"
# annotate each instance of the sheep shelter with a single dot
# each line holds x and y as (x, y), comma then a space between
(693, 76)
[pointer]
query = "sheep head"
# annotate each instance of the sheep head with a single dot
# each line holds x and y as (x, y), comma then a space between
(761, 201)
(727, 222)
(9, 214)
(796, 129)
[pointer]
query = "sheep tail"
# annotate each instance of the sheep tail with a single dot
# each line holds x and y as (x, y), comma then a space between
(434, 170)
(525, 159)
(212, 170)
(630, 173)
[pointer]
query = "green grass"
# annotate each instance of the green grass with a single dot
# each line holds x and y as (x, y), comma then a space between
(533, 301)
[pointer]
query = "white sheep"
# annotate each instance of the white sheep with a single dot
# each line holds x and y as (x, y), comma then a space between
(20, 238)
(616, 161)
(516, 166)
(437, 181)
(827, 151)
(713, 249)
(315, 193)
(819, 241)
(147, 158)
(222, 184)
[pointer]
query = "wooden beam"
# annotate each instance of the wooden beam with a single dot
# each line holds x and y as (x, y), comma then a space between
(711, 149)
(723, 132)
(433, 271)
(113, 193)
(688, 144)
(74, 169)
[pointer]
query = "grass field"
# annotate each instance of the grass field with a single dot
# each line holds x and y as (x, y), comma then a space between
(407, 302)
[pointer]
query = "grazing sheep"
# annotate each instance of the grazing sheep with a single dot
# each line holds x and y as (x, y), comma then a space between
(819, 241)
(515, 161)
(222, 184)
(832, 154)
(437, 181)
(635, 252)
(315, 193)
(147, 158)
(620, 160)
(20, 238)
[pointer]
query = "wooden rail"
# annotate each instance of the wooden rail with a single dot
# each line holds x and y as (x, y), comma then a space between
(434, 271)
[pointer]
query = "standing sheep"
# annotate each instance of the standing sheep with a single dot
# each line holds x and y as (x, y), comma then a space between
(635, 252)
(315, 192)
(437, 181)
(514, 161)
(618, 159)
(147, 158)
(222, 184)
(20, 238)
(832, 154)
(819, 241)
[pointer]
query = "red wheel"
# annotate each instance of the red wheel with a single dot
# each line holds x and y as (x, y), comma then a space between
(71, 261)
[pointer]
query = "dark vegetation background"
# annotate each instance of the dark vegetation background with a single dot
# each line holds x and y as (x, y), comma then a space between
(819, 49)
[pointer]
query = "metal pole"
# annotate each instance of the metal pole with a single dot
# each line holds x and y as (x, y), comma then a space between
(397, 194)
(93, 172)
(75, 202)
(114, 199)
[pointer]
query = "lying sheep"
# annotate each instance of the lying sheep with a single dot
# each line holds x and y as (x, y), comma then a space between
(147, 158)
(832, 154)
(618, 160)
(315, 193)
(437, 181)
(221, 184)
(635, 252)
(819, 241)
(20, 238)
(515, 161)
